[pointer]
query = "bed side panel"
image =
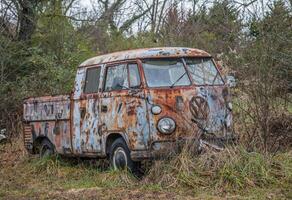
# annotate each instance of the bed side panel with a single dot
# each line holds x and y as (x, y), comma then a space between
(49, 117)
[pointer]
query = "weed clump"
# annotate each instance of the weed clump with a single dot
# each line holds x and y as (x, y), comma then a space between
(229, 170)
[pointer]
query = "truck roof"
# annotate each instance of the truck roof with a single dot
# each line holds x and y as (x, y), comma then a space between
(159, 52)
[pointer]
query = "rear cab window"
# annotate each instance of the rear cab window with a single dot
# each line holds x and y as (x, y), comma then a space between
(122, 76)
(92, 80)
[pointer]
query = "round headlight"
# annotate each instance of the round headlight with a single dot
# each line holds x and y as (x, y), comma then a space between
(166, 125)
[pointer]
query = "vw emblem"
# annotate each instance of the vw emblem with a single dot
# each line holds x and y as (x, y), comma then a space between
(199, 108)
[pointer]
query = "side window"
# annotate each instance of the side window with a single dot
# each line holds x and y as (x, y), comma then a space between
(134, 76)
(92, 80)
(116, 78)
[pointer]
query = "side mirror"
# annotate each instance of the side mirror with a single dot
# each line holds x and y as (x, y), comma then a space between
(230, 80)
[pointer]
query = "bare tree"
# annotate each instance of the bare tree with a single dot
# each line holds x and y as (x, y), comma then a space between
(119, 15)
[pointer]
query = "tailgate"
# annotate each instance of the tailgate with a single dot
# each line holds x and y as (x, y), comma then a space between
(47, 108)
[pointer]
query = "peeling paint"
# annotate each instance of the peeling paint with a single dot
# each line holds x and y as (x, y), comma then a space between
(79, 124)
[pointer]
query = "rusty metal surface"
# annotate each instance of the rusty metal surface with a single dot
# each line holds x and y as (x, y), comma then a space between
(27, 136)
(80, 124)
(47, 108)
(163, 52)
(48, 116)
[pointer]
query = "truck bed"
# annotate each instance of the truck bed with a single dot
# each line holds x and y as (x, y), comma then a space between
(47, 116)
(47, 108)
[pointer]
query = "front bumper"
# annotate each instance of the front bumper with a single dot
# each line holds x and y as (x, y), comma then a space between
(166, 149)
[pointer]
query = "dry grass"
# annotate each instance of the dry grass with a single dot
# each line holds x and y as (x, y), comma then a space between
(231, 170)
(233, 173)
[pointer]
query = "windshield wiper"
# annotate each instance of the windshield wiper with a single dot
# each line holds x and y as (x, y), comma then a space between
(178, 79)
(215, 78)
(123, 86)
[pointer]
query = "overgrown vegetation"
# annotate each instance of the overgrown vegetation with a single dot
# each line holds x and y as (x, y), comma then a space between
(232, 173)
(42, 43)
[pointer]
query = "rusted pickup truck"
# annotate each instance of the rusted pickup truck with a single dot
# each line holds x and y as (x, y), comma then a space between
(132, 105)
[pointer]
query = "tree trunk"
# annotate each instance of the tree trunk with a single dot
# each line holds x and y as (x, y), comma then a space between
(27, 19)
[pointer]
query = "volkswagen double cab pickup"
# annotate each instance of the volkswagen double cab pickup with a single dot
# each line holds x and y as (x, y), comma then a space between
(130, 106)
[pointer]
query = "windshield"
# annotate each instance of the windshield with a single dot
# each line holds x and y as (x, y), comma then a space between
(165, 73)
(203, 71)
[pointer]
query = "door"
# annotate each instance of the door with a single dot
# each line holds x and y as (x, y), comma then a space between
(86, 137)
(123, 106)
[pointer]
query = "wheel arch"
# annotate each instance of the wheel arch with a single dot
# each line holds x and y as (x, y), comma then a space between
(38, 141)
(111, 137)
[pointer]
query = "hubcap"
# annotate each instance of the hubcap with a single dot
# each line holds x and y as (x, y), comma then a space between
(120, 159)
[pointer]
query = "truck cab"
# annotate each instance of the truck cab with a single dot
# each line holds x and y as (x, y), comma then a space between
(132, 105)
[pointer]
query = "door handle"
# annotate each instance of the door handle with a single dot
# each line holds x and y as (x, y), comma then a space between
(103, 108)
(134, 91)
(82, 112)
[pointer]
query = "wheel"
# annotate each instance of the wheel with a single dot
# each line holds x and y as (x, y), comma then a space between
(46, 148)
(3, 141)
(120, 156)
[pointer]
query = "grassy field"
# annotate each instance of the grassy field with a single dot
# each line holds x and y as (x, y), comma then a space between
(233, 174)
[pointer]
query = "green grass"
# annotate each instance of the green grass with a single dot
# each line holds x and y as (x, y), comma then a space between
(233, 173)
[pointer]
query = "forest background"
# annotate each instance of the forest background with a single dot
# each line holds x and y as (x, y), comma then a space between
(43, 41)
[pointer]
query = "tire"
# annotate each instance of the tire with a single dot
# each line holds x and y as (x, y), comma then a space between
(120, 156)
(3, 141)
(46, 149)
